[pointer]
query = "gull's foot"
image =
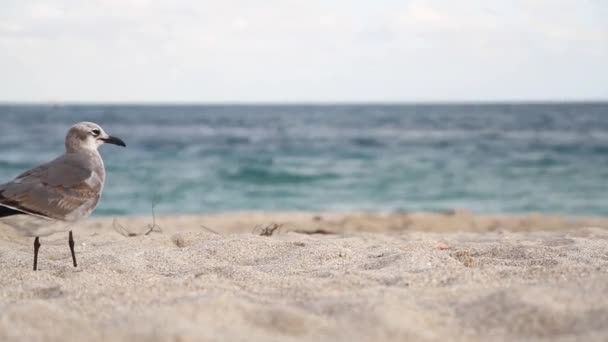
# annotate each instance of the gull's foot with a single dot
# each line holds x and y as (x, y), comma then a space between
(71, 242)
(36, 248)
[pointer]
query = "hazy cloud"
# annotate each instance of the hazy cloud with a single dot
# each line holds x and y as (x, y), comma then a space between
(292, 50)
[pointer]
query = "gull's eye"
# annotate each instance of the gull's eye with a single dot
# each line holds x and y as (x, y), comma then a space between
(95, 132)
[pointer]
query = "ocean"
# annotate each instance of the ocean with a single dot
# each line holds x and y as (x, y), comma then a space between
(489, 158)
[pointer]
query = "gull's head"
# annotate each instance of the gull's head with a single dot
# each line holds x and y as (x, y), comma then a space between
(89, 136)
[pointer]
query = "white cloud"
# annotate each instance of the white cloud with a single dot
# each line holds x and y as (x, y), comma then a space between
(295, 50)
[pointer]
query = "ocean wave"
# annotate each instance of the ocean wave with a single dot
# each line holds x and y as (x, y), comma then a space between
(268, 176)
(368, 142)
(483, 157)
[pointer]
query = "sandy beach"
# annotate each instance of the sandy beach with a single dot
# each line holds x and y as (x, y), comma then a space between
(299, 276)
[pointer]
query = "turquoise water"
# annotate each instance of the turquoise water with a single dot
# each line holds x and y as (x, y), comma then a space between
(504, 158)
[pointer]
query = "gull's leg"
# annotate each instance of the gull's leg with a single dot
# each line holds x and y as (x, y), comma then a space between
(71, 242)
(36, 248)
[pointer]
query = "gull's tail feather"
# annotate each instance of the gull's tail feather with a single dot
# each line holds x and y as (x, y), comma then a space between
(6, 211)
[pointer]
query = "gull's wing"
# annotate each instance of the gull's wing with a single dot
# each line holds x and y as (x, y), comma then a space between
(67, 188)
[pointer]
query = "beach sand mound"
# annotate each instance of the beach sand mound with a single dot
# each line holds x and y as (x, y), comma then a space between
(186, 283)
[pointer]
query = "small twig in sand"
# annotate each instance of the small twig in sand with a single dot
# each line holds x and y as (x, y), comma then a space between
(209, 230)
(269, 229)
(151, 227)
(342, 255)
(316, 231)
(154, 227)
(121, 230)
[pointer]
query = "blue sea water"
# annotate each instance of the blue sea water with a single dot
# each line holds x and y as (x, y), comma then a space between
(497, 158)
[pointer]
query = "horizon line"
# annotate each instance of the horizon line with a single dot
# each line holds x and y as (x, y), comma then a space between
(301, 103)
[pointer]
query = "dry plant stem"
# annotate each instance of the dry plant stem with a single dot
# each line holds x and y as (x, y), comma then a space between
(121, 230)
(151, 227)
(209, 230)
(316, 231)
(270, 229)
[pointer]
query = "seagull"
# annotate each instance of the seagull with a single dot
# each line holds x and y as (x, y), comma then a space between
(53, 196)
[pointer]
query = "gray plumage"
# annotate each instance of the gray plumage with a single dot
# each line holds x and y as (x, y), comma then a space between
(52, 196)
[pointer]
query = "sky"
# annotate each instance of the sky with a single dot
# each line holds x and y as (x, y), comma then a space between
(303, 50)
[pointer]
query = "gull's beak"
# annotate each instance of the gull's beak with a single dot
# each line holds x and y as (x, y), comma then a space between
(113, 140)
